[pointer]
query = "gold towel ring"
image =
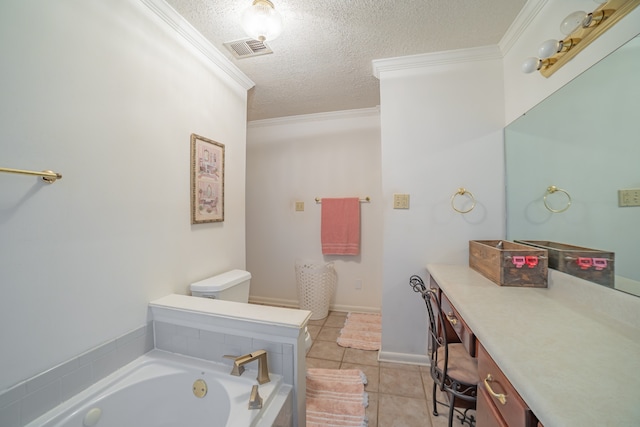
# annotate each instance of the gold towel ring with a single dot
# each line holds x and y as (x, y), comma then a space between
(553, 189)
(461, 192)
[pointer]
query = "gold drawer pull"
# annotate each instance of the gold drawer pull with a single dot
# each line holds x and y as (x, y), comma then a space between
(452, 318)
(502, 398)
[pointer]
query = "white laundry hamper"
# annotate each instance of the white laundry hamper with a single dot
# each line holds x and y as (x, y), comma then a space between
(316, 285)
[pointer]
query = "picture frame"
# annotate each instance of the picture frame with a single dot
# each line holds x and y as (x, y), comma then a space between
(207, 180)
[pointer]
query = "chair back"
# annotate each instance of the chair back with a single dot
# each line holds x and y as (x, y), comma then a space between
(437, 331)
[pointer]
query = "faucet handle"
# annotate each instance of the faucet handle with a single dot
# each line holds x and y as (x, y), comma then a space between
(237, 368)
(255, 401)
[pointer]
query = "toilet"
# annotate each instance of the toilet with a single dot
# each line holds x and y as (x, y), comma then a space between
(231, 286)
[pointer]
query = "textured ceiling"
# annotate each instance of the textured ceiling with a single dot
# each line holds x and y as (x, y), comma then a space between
(322, 60)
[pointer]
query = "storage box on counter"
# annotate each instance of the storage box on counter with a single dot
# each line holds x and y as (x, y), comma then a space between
(508, 263)
(586, 263)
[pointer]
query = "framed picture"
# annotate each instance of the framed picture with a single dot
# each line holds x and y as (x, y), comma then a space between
(207, 180)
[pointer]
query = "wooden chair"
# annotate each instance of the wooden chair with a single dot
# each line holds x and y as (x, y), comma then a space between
(453, 370)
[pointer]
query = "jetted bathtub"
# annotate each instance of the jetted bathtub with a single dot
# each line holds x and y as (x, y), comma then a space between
(162, 389)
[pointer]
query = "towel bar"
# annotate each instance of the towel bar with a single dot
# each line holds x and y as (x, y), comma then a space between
(365, 200)
(48, 176)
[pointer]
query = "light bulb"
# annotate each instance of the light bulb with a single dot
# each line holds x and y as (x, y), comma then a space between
(572, 22)
(261, 21)
(530, 65)
(549, 48)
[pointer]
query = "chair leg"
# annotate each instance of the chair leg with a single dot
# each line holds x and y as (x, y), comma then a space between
(435, 403)
(452, 404)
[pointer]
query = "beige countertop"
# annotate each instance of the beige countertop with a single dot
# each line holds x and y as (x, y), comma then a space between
(573, 363)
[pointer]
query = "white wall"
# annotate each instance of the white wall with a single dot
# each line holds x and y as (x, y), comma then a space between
(298, 159)
(441, 130)
(105, 94)
(441, 118)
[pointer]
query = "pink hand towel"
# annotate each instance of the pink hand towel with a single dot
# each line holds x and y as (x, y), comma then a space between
(340, 226)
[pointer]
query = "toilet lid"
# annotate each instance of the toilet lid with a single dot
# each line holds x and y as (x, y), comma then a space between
(221, 282)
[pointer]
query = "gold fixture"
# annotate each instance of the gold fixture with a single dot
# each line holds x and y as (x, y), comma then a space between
(462, 192)
(365, 200)
(582, 29)
(553, 189)
(47, 176)
(200, 388)
(255, 401)
(263, 367)
(452, 318)
(502, 398)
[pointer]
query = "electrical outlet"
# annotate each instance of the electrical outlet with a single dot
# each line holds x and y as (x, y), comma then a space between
(358, 284)
(400, 201)
(629, 197)
(299, 206)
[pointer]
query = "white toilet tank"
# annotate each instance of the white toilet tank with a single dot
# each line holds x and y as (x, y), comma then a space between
(230, 286)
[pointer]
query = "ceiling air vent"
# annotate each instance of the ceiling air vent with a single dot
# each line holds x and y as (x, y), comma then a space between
(247, 48)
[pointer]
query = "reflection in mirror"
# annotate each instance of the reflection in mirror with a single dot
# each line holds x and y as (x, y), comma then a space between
(585, 139)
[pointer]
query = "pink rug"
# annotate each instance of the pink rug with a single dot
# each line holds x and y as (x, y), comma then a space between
(336, 397)
(361, 331)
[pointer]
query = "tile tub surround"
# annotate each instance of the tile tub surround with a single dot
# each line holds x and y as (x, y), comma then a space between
(210, 328)
(569, 354)
(29, 399)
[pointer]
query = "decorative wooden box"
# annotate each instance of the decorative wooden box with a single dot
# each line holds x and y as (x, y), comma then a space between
(586, 263)
(509, 263)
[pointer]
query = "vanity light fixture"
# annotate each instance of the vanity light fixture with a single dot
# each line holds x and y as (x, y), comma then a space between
(551, 47)
(261, 21)
(581, 28)
(536, 64)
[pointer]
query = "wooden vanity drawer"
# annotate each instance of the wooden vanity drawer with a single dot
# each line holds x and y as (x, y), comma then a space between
(487, 415)
(467, 338)
(514, 410)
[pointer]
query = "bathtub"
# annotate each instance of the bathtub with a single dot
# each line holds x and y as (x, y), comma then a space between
(157, 390)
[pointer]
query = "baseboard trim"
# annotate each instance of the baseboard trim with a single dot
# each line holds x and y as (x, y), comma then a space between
(277, 302)
(294, 304)
(405, 358)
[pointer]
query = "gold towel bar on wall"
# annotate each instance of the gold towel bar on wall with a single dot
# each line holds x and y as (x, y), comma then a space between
(47, 176)
(365, 200)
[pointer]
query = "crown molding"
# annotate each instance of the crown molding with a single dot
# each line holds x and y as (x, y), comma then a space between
(520, 24)
(198, 41)
(435, 59)
(315, 117)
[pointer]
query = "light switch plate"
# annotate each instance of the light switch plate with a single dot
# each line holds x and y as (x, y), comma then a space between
(400, 201)
(299, 206)
(630, 197)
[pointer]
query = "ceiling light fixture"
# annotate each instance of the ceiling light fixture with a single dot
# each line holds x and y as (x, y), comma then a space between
(581, 28)
(261, 21)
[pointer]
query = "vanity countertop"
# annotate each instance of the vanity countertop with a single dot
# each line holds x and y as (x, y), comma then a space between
(573, 364)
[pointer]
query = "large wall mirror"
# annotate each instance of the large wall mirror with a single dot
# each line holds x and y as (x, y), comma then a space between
(584, 139)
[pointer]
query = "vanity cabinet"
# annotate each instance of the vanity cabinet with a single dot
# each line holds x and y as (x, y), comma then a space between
(498, 404)
(487, 415)
(530, 339)
(461, 329)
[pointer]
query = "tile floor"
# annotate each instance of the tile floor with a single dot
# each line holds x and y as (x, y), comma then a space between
(399, 394)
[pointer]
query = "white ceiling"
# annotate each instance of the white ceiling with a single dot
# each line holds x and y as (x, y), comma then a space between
(322, 60)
